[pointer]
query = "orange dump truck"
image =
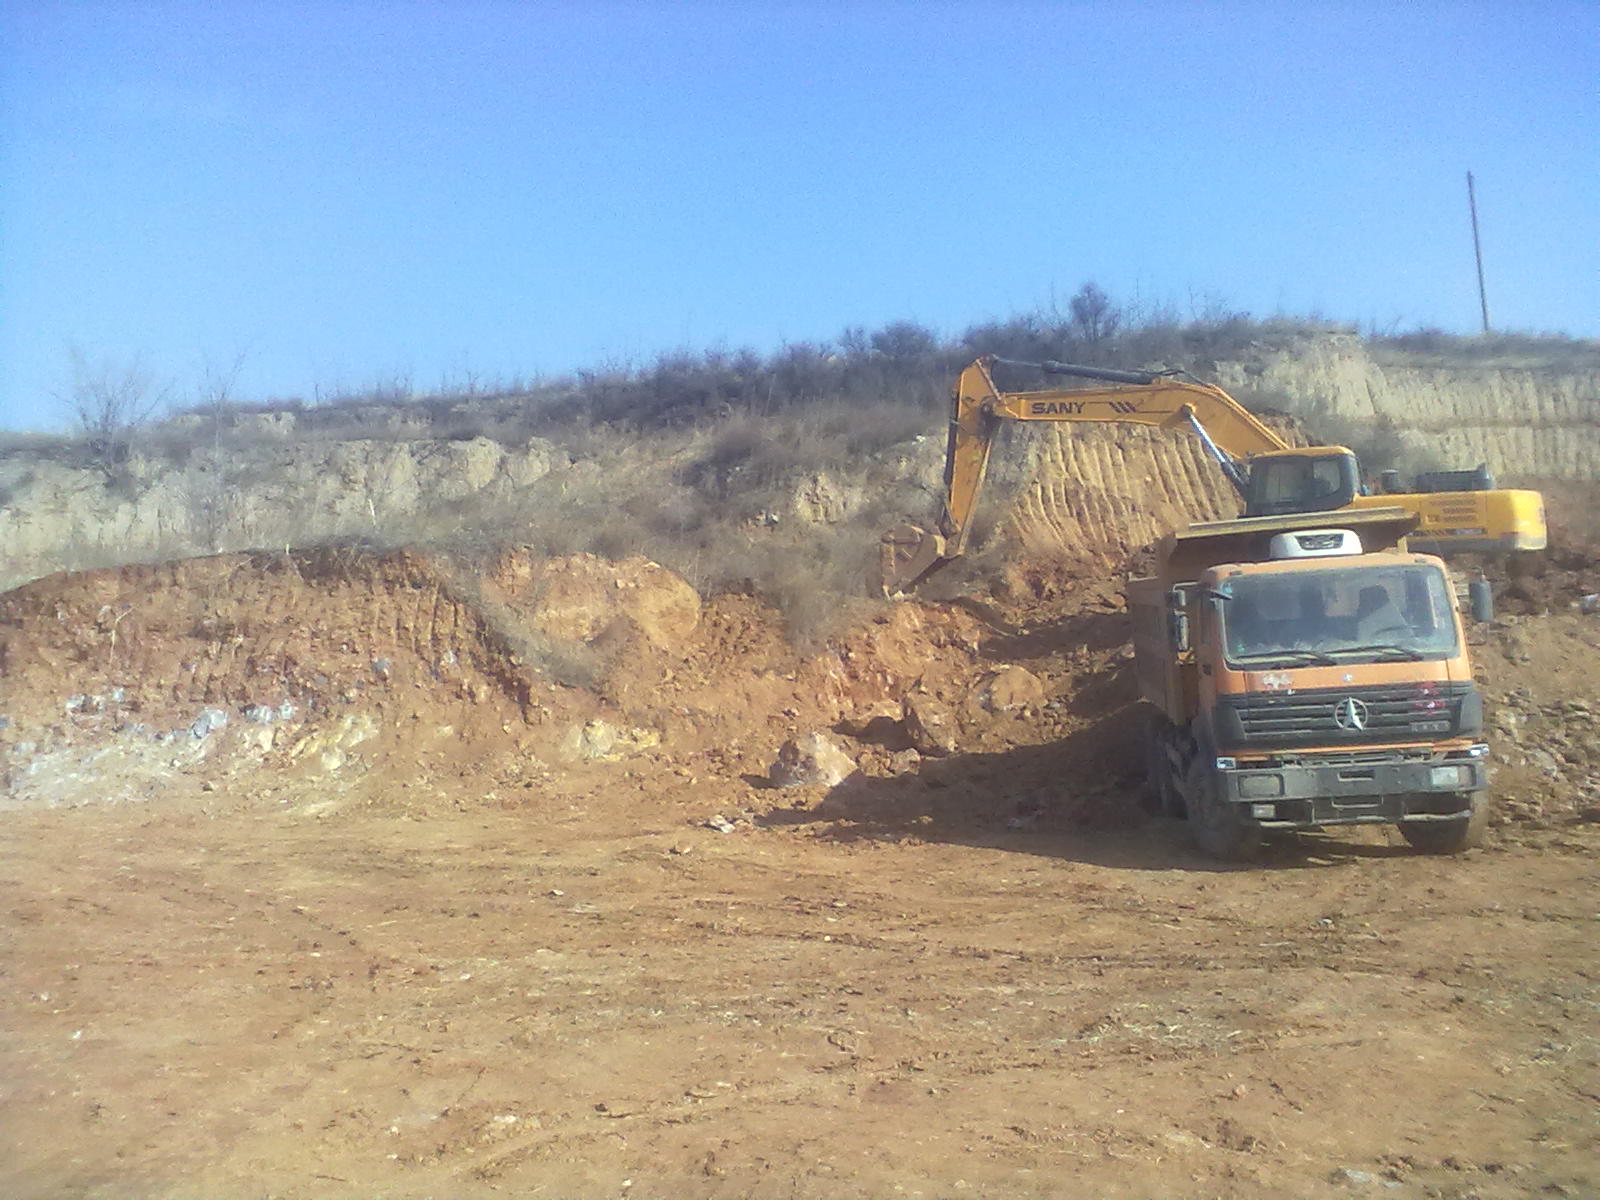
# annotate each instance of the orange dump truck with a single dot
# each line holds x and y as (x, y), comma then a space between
(1309, 671)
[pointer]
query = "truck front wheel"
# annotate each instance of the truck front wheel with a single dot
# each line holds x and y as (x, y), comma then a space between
(1161, 782)
(1218, 828)
(1449, 837)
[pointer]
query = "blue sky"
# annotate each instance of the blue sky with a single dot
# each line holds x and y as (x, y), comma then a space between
(347, 193)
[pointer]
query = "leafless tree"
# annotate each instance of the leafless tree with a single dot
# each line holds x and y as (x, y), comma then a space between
(109, 402)
(1094, 317)
(212, 497)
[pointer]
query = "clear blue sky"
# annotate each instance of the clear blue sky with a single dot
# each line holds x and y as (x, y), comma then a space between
(348, 192)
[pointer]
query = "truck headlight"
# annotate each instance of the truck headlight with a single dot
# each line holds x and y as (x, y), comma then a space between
(1449, 777)
(1254, 787)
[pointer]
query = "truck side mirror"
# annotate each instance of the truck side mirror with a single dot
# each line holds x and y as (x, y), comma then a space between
(1178, 620)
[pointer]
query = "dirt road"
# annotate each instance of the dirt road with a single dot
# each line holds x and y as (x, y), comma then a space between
(578, 990)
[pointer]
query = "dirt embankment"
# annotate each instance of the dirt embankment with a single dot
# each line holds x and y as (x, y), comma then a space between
(371, 675)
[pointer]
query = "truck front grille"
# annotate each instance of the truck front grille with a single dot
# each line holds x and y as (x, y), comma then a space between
(1408, 712)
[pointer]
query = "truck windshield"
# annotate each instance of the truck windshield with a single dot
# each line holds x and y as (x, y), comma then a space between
(1349, 614)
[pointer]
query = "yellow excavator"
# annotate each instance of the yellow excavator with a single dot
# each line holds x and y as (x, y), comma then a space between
(1458, 511)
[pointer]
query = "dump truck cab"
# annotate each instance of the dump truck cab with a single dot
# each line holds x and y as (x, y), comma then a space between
(1305, 680)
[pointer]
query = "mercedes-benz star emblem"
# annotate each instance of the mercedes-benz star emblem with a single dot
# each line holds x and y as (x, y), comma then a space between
(1350, 713)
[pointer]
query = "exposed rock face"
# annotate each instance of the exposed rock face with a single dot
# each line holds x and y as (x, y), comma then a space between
(1089, 492)
(1530, 421)
(270, 495)
(811, 760)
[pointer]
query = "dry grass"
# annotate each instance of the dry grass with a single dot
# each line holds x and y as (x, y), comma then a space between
(1435, 347)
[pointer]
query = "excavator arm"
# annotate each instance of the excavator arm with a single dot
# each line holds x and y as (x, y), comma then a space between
(978, 408)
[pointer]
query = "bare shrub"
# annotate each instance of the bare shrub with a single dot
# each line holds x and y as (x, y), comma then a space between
(904, 341)
(1095, 318)
(1379, 446)
(109, 403)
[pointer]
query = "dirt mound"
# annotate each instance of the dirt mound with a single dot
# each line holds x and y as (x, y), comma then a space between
(374, 673)
(310, 632)
(330, 660)
(393, 668)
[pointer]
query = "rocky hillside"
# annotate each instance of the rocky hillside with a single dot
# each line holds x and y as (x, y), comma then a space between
(1528, 418)
(735, 496)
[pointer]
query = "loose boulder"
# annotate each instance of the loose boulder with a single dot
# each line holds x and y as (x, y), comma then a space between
(811, 760)
(579, 597)
(931, 727)
(1010, 689)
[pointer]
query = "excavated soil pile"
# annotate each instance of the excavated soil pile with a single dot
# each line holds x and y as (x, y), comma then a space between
(368, 672)
(1019, 707)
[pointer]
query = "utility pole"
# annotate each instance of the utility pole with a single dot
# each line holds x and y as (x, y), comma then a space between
(1477, 250)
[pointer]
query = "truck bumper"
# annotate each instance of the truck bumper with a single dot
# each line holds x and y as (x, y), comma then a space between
(1303, 794)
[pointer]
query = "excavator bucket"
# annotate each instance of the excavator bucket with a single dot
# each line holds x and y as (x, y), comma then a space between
(905, 554)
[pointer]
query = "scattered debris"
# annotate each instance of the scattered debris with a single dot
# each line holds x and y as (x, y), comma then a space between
(600, 741)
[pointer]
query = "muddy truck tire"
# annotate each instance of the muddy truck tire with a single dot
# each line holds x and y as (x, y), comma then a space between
(1449, 837)
(1218, 828)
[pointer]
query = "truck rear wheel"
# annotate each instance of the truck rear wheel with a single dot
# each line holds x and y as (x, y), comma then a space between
(1218, 828)
(1449, 837)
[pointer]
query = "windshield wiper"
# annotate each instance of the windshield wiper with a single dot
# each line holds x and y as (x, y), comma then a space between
(1303, 658)
(1405, 652)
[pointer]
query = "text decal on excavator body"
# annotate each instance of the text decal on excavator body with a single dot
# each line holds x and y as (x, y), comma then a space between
(1045, 408)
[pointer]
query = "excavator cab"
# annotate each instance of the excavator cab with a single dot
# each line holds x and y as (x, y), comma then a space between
(1314, 479)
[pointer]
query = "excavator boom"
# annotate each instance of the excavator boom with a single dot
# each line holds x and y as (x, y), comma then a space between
(977, 408)
(1273, 477)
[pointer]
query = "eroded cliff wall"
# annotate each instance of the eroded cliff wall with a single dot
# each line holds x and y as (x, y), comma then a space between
(1098, 492)
(1095, 492)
